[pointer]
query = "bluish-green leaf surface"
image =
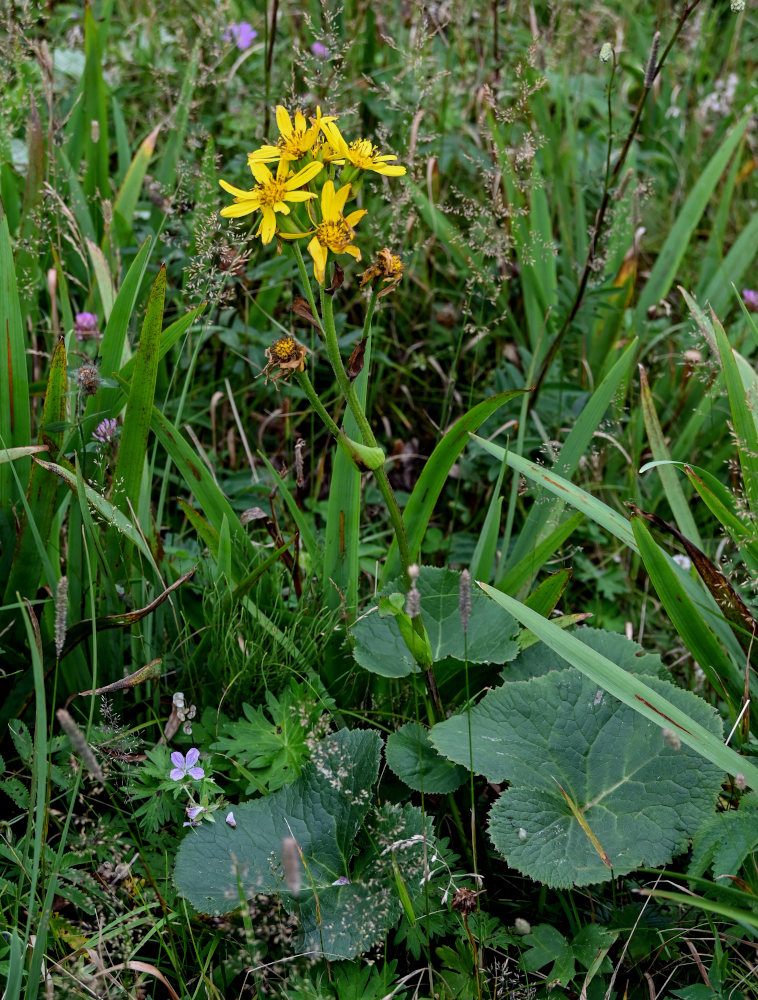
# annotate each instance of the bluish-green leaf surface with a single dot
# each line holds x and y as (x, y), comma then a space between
(324, 810)
(539, 659)
(379, 646)
(641, 794)
(415, 761)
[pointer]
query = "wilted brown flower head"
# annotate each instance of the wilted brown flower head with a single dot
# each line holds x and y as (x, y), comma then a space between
(387, 268)
(285, 356)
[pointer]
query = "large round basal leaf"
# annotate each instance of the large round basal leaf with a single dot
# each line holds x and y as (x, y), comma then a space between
(379, 646)
(353, 918)
(415, 761)
(640, 794)
(539, 659)
(323, 810)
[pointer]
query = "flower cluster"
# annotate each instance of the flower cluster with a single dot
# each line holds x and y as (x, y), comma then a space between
(303, 184)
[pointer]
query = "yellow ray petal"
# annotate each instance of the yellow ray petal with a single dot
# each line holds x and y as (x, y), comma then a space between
(284, 121)
(238, 210)
(261, 173)
(307, 173)
(237, 192)
(268, 224)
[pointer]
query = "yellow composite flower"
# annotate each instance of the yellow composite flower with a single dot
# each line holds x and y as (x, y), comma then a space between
(361, 153)
(270, 195)
(335, 230)
(295, 140)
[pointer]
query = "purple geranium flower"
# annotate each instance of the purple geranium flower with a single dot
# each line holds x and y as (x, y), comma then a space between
(194, 812)
(243, 35)
(184, 766)
(320, 50)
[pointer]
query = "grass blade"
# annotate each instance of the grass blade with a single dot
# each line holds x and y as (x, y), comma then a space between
(133, 447)
(426, 492)
(687, 617)
(628, 688)
(671, 485)
(670, 257)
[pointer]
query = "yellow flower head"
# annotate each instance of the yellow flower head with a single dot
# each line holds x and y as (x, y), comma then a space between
(285, 356)
(360, 153)
(295, 140)
(271, 194)
(335, 230)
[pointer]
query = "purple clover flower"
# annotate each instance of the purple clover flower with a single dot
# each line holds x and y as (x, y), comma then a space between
(184, 766)
(85, 326)
(106, 431)
(243, 35)
(320, 50)
(750, 298)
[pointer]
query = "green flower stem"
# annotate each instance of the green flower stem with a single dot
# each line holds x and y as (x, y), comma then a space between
(329, 332)
(307, 386)
(382, 481)
(306, 283)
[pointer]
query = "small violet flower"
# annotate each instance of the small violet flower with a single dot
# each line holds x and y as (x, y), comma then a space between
(319, 50)
(194, 813)
(230, 819)
(243, 35)
(106, 431)
(342, 880)
(750, 298)
(184, 766)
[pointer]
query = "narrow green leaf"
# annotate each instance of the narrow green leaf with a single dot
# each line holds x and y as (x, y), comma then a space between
(133, 446)
(28, 560)
(200, 482)
(15, 429)
(486, 546)
(671, 485)
(595, 509)
(102, 277)
(743, 411)
(95, 124)
(166, 172)
(110, 400)
(687, 617)
(667, 263)
(129, 192)
(224, 557)
(13, 454)
(544, 599)
(170, 336)
(426, 492)
(302, 521)
(629, 689)
(341, 567)
(542, 519)
(528, 566)
(721, 504)
(112, 515)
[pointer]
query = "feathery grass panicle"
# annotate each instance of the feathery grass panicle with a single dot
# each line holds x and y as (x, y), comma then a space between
(652, 61)
(61, 612)
(79, 743)
(464, 599)
(291, 865)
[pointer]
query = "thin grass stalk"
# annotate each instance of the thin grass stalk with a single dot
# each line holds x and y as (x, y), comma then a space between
(608, 186)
